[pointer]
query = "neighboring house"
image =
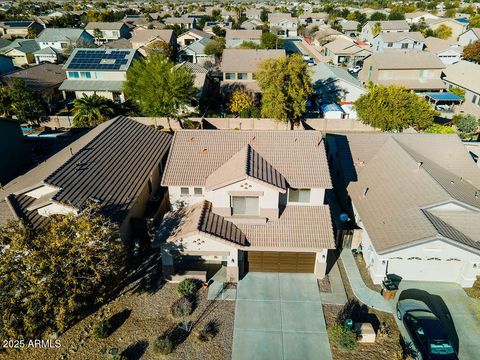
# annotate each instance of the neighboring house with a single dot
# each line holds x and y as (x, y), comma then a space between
(326, 34)
(97, 71)
(6, 64)
(332, 84)
(211, 25)
(190, 36)
(284, 27)
(370, 28)
(15, 152)
(48, 54)
(312, 18)
(110, 31)
(350, 28)
(141, 38)
(21, 51)
(88, 170)
(44, 78)
(240, 65)
(458, 27)
(183, 22)
(118, 44)
(449, 52)
(195, 52)
(398, 41)
(465, 75)
(19, 29)
(343, 51)
(253, 14)
(251, 24)
(251, 200)
(469, 36)
(200, 73)
(415, 70)
(419, 16)
(415, 203)
(235, 38)
(64, 39)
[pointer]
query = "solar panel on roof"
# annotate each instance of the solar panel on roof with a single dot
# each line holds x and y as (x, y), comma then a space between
(99, 59)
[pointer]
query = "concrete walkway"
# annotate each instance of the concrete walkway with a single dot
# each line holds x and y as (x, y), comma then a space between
(364, 294)
(216, 289)
(279, 317)
(338, 295)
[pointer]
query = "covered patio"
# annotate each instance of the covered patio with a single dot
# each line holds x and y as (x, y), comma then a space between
(444, 101)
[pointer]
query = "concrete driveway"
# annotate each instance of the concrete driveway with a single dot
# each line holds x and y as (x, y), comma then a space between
(279, 316)
(459, 314)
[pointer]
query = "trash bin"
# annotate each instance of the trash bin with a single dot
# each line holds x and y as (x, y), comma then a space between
(389, 289)
(348, 324)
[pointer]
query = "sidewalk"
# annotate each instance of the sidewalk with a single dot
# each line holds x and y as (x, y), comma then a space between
(364, 294)
(338, 295)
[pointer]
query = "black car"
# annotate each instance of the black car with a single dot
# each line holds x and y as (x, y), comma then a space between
(426, 330)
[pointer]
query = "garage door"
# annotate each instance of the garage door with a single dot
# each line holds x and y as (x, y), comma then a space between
(285, 262)
(433, 269)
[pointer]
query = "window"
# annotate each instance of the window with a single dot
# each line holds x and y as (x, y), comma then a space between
(198, 191)
(184, 191)
(244, 205)
(73, 74)
(299, 195)
(474, 99)
(229, 76)
(242, 76)
(85, 75)
(404, 45)
(390, 44)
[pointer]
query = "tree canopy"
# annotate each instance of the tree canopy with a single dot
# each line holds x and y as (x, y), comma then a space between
(239, 101)
(158, 87)
(159, 47)
(472, 52)
(285, 84)
(466, 124)
(270, 41)
(215, 47)
(443, 32)
(48, 278)
(394, 108)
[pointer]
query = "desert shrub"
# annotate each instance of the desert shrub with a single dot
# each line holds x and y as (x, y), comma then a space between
(342, 338)
(162, 345)
(102, 329)
(187, 287)
(208, 332)
(181, 308)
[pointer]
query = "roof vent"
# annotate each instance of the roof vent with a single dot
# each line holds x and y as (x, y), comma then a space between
(203, 151)
(452, 182)
(365, 192)
(419, 165)
(253, 139)
(191, 140)
(477, 194)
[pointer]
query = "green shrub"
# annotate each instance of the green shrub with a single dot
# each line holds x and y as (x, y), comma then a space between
(162, 345)
(102, 329)
(181, 308)
(342, 338)
(187, 287)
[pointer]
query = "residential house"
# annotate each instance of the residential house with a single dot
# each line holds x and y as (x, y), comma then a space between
(97, 71)
(253, 14)
(14, 149)
(449, 52)
(458, 27)
(373, 28)
(313, 18)
(110, 31)
(118, 44)
(252, 24)
(251, 200)
(19, 29)
(346, 52)
(48, 54)
(465, 75)
(183, 22)
(195, 53)
(210, 26)
(415, 204)
(6, 64)
(44, 78)
(64, 39)
(141, 38)
(240, 65)
(201, 81)
(419, 17)
(235, 38)
(332, 84)
(191, 36)
(88, 170)
(415, 70)
(398, 41)
(284, 25)
(21, 51)
(350, 28)
(469, 36)
(326, 34)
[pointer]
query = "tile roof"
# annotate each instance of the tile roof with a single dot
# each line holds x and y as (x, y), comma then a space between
(247, 60)
(23, 45)
(391, 24)
(91, 85)
(19, 204)
(299, 156)
(38, 77)
(63, 34)
(147, 35)
(411, 59)
(399, 36)
(465, 74)
(104, 25)
(246, 163)
(243, 34)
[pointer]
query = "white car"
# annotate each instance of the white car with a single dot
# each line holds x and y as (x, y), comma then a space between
(355, 69)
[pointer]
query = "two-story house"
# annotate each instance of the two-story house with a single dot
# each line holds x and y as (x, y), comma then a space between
(419, 16)
(345, 51)
(64, 39)
(142, 37)
(373, 28)
(19, 29)
(21, 51)
(253, 14)
(99, 71)
(457, 26)
(415, 70)
(398, 41)
(284, 25)
(234, 38)
(183, 22)
(240, 65)
(449, 52)
(190, 36)
(250, 200)
(313, 18)
(107, 31)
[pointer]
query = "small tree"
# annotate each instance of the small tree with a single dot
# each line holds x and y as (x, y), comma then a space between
(97, 34)
(377, 29)
(239, 101)
(215, 48)
(466, 124)
(187, 288)
(472, 52)
(27, 105)
(270, 40)
(443, 32)
(89, 111)
(394, 108)
(474, 22)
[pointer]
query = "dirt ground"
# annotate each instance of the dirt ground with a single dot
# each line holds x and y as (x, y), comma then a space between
(364, 273)
(140, 314)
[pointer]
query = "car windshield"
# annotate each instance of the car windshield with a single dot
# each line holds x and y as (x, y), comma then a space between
(441, 348)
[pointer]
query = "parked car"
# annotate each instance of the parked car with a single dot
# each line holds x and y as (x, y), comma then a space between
(426, 330)
(355, 69)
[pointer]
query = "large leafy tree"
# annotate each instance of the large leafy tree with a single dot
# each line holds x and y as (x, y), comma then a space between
(285, 84)
(26, 104)
(89, 111)
(394, 108)
(472, 52)
(270, 41)
(158, 87)
(48, 278)
(443, 32)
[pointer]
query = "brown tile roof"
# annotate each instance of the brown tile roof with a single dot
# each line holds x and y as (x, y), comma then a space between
(409, 59)
(247, 60)
(147, 35)
(243, 34)
(246, 163)
(298, 155)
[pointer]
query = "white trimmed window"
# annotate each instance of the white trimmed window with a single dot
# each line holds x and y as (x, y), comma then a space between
(298, 195)
(245, 205)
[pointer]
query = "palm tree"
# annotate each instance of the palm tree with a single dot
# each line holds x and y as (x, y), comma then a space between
(90, 111)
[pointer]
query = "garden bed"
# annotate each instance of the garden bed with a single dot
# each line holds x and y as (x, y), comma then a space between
(365, 275)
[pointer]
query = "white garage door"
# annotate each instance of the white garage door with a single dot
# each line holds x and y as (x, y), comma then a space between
(426, 270)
